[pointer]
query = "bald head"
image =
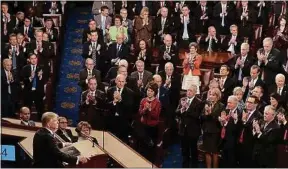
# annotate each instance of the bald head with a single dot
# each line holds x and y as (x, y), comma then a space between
(168, 40)
(158, 80)
(120, 81)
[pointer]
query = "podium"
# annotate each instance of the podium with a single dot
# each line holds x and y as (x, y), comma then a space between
(98, 159)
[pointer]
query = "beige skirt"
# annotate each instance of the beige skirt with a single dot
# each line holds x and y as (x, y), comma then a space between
(189, 80)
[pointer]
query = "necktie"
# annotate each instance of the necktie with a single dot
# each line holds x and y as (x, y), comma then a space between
(14, 65)
(119, 90)
(94, 52)
(26, 30)
(286, 135)
(203, 10)
(9, 87)
(162, 24)
(140, 76)
(89, 73)
(279, 90)
(5, 25)
(185, 32)
(223, 132)
(168, 49)
(241, 139)
(210, 45)
(34, 83)
(66, 135)
(240, 72)
(103, 24)
(118, 50)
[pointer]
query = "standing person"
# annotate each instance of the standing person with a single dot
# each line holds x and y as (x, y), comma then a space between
(211, 127)
(191, 68)
(46, 152)
(188, 113)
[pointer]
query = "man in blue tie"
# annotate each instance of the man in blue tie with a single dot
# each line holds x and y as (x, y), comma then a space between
(35, 79)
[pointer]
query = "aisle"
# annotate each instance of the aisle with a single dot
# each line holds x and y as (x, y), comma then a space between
(68, 92)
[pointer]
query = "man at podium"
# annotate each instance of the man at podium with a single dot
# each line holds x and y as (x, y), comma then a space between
(46, 152)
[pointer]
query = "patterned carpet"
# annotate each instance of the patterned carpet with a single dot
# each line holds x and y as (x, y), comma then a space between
(68, 92)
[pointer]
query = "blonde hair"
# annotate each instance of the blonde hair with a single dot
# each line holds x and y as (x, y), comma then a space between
(217, 92)
(82, 124)
(144, 9)
(47, 117)
(237, 89)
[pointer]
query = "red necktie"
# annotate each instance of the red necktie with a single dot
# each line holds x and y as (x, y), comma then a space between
(286, 135)
(241, 136)
(223, 132)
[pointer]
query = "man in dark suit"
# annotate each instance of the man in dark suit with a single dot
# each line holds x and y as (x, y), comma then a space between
(232, 42)
(14, 52)
(95, 50)
(168, 53)
(250, 82)
(27, 30)
(42, 49)
(121, 103)
(224, 15)
(282, 148)
(163, 26)
(46, 152)
(158, 5)
(87, 32)
(226, 83)
(64, 132)
(211, 42)
(118, 50)
(93, 105)
(179, 4)
(203, 15)
(25, 117)
(269, 61)
(112, 72)
(143, 76)
(229, 120)
(163, 96)
(172, 82)
(140, 4)
(258, 91)
(34, 78)
(9, 89)
(266, 139)
(184, 28)
(8, 23)
(246, 17)
(51, 30)
(52, 7)
(89, 72)
(243, 63)
(245, 142)
(188, 118)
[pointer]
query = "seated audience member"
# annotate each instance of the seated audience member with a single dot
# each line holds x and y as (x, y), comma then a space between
(84, 132)
(191, 68)
(64, 132)
(117, 29)
(89, 72)
(25, 117)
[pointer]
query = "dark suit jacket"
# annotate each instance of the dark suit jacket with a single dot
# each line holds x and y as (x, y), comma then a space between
(54, 36)
(259, 82)
(14, 86)
(72, 139)
(284, 93)
(227, 89)
(168, 27)
(88, 31)
(26, 73)
(147, 59)
(122, 54)
(47, 6)
(272, 68)
(265, 149)
(124, 107)
(45, 55)
(10, 28)
(174, 51)
(225, 43)
(189, 120)
(30, 123)
(179, 28)
(83, 76)
(138, 7)
(202, 25)
(46, 153)
(245, 70)
(229, 18)
(246, 25)
(94, 113)
(30, 31)
(147, 76)
(20, 58)
(111, 74)
(215, 44)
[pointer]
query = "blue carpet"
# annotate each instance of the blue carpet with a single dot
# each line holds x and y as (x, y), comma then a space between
(68, 92)
(173, 158)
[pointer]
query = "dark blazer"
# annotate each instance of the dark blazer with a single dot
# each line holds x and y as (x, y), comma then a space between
(138, 7)
(45, 55)
(157, 6)
(245, 70)
(272, 68)
(83, 76)
(227, 89)
(71, 138)
(168, 28)
(95, 112)
(26, 73)
(225, 43)
(265, 149)
(10, 28)
(47, 6)
(20, 58)
(174, 51)
(259, 82)
(284, 93)
(189, 120)
(30, 123)
(14, 86)
(147, 76)
(111, 74)
(229, 18)
(210, 123)
(88, 31)
(46, 153)
(30, 31)
(246, 25)
(54, 35)
(179, 28)
(147, 59)
(215, 44)
(122, 54)
(202, 25)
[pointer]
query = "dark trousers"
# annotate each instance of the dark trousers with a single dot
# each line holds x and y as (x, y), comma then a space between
(189, 152)
(244, 156)
(183, 43)
(8, 107)
(119, 126)
(37, 98)
(228, 156)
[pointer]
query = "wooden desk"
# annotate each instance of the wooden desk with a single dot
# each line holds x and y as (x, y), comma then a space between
(109, 144)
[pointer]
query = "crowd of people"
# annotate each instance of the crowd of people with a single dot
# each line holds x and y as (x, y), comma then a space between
(130, 91)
